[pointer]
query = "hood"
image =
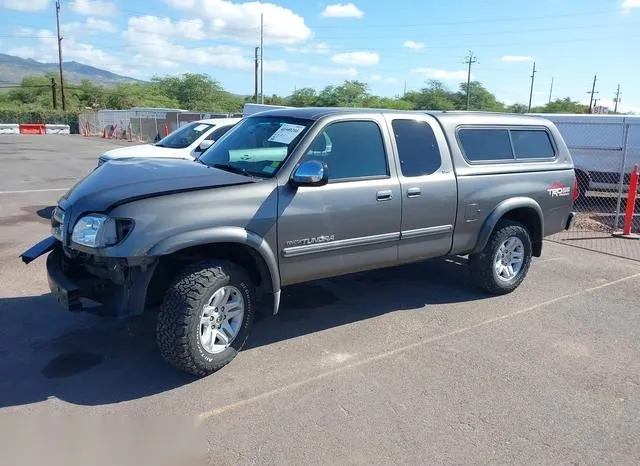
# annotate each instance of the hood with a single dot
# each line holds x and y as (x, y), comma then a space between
(146, 150)
(121, 181)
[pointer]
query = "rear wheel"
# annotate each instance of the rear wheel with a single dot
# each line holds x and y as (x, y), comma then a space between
(504, 262)
(206, 317)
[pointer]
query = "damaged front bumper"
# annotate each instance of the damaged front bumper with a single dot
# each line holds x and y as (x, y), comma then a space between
(117, 285)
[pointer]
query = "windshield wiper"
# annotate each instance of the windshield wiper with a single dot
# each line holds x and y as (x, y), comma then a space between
(233, 169)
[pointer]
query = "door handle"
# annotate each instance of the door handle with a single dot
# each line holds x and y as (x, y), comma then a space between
(414, 192)
(386, 195)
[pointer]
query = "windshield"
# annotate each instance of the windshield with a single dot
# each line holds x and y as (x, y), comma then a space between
(257, 146)
(184, 136)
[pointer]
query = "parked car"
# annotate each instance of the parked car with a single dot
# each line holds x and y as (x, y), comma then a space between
(294, 195)
(187, 142)
(596, 144)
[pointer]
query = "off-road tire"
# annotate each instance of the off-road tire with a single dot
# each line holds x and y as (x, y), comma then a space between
(481, 264)
(178, 327)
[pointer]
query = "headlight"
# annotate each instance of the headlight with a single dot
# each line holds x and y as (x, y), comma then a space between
(99, 231)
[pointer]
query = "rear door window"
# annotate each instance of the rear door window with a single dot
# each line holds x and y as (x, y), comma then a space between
(532, 144)
(417, 147)
(481, 145)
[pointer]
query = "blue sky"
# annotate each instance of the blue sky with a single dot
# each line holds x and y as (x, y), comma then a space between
(313, 43)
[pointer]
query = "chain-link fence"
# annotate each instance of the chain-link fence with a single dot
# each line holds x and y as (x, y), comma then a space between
(605, 150)
(139, 124)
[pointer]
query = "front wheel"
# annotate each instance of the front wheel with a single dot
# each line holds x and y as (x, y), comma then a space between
(206, 317)
(504, 262)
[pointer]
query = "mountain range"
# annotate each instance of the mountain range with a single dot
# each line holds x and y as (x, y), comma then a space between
(14, 69)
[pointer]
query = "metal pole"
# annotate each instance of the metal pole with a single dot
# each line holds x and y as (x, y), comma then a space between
(551, 90)
(53, 93)
(533, 78)
(470, 61)
(617, 100)
(624, 161)
(593, 93)
(255, 94)
(262, 58)
(64, 106)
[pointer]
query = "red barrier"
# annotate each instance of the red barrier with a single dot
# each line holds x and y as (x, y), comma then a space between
(166, 130)
(631, 201)
(32, 128)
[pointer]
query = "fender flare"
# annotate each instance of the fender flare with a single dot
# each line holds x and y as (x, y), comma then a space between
(222, 235)
(503, 208)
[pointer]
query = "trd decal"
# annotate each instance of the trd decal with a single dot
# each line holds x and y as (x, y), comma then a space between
(558, 190)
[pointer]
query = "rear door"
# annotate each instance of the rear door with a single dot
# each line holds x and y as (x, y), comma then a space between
(428, 186)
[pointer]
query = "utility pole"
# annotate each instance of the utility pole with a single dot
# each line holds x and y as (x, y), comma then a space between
(617, 100)
(64, 106)
(533, 78)
(405, 88)
(593, 93)
(551, 90)
(53, 92)
(255, 94)
(470, 61)
(262, 58)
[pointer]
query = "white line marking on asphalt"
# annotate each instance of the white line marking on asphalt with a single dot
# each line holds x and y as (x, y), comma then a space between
(238, 404)
(27, 191)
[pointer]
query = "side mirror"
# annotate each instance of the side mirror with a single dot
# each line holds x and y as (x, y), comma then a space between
(311, 173)
(204, 145)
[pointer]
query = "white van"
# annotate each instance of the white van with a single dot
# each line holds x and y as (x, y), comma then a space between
(187, 142)
(596, 143)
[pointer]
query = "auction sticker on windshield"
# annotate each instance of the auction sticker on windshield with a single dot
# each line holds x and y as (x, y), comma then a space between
(286, 133)
(200, 128)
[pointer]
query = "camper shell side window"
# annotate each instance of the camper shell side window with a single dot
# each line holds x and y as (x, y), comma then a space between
(506, 144)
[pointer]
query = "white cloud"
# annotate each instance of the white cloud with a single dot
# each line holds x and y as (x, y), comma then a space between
(516, 58)
(190, 29)
(241, 21)
(91, 24)
(384, 79)
(46, 51)
(154, 42)
(356, 58)
(26, 5)
(413, 45)
(276, 66)
(628, 5)
(342, 10)
(94, 7)
(444, 75)
(319, 48)
(311, 71)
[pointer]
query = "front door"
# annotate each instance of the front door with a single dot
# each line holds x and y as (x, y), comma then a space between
(429, 190)
(353, 222)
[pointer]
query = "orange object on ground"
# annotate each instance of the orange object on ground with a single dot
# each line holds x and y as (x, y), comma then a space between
(32, 128)
(631, 201)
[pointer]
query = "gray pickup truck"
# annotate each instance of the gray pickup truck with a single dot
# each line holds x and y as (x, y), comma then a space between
(295, 195)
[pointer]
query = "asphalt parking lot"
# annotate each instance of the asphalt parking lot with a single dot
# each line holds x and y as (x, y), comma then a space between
(402, 366)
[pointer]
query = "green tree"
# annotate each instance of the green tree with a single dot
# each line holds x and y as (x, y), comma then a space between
(565, 105)
(305, 97)
(432, 97)
(517, 108)
(481, 98)
(348, 94)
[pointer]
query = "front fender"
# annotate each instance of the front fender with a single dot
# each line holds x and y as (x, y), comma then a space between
(221, 235)
(503, 208)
